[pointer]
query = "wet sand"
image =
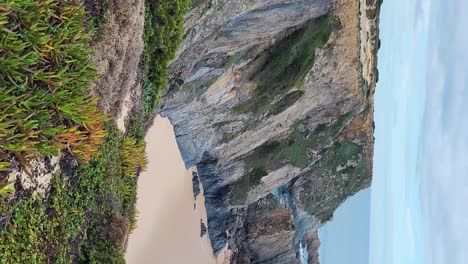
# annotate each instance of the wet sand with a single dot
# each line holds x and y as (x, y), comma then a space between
(168, 227)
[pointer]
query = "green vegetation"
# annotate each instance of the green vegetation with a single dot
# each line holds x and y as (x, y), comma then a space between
(284, 66)
(77, 221)
(296, 149)
(243, 186)
(98, 13)
(133, 220)
(164, 27)
(233, 59)
(285, 102)
(45, 77)
(7, 189)
(134, 156)
(334, 190)
(46, 108)
(105, 252)
(318, 148)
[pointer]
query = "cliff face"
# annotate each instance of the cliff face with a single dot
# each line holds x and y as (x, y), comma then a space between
(272, 101)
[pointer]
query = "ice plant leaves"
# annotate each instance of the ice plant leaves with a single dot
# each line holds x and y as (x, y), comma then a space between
(133, 156)
(45, 79)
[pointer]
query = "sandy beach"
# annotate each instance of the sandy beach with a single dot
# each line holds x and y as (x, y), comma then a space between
(168, 228)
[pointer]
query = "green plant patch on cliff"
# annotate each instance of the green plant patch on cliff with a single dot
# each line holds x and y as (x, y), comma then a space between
(299, 149)
(233, 59)
(164, 27)
(242, 187)
(286, 101)
(285, 65)
(341, 172)
(84, 219)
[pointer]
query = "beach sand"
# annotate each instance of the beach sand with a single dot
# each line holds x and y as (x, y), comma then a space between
(168, 227)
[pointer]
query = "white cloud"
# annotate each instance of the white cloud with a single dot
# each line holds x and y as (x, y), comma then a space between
(443, 163)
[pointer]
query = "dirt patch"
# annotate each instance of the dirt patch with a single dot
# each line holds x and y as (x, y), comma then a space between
(126, 106)
(118, 55)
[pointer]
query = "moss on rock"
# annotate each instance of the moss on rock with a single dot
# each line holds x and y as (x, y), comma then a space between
(285, 65)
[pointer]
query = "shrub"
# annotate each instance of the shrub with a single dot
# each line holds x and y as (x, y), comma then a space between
(246, 183)
(74, 222)
(38, 231)
(164, 26)
(106, 252)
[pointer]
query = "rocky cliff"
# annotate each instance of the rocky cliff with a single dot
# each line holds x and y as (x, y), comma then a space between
(272, 101)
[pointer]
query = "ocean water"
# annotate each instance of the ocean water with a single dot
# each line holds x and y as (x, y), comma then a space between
(345, 239)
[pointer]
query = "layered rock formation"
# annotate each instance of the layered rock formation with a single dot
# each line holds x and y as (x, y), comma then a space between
(272, 101)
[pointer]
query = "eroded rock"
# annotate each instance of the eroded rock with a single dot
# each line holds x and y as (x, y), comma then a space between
(272, 101)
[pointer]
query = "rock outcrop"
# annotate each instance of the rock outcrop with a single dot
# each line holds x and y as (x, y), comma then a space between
(195, 184)
(202, 228)
(272, 101)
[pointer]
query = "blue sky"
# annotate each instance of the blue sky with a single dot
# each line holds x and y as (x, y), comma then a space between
(419, 194)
